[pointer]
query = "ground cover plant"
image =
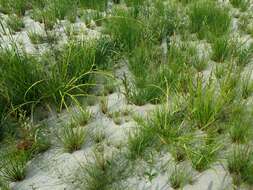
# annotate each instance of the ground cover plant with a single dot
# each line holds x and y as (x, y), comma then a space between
(126, 94)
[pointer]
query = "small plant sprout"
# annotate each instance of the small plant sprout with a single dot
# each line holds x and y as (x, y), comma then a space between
(72, 138)
(81, 117)
(180, 176)
(98, 135)
(104, 104)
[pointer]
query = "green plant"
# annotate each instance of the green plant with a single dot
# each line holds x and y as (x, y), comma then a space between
(240, 164)
(244, 55)
(223, 49)
(15, 23)
(4, 185)
(246, 85)
(240, 131)
(104, 104)
(208, 17)
(72, 138)
(37, 38)
(204, 154)
(125, 30)
(241, 4)
(70, 74)
(18, 7)
(13, 165)
(98, 136)
(21, 76)
(180, 176)
(204, 105)
(81, 117)
(104, 173)
(94, 4)
(168, 124)
(138, 142)
(164, 20)
(55, 10)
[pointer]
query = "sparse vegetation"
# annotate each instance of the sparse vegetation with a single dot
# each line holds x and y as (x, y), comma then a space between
(128, 87)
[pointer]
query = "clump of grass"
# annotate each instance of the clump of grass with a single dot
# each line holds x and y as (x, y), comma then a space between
(4, 185)
(54, 11)
(125, 30)
(244, 55)
(204, 105)
(223, 48)
(80, 118)
(203, 154)
(240, 164)
(240, 131)
(178, 152)
(98, 136)
(20, 73)
(146, 88)
(241, 4)
(246, 85)
(72, 138)
(209, 17)
(15, 23)
(92, 4)
(180, 176)
(138, 142)
(229, 83)
(168, 124)
(164, 20)
(13, 165)
(37, 38)
(12, 6)
(104, 173)
(104, 104)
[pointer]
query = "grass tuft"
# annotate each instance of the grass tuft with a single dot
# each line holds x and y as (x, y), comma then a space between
(72, 138)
